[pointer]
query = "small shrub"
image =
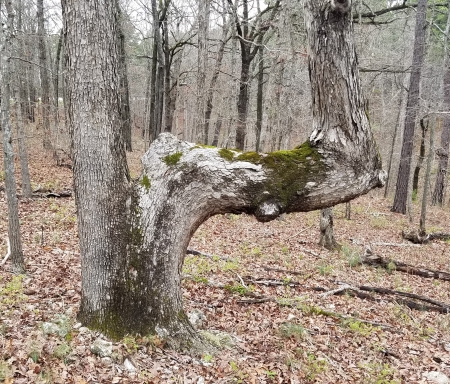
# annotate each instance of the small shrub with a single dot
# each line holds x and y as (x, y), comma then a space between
(352, 255)
(297, 331)
(314, 366)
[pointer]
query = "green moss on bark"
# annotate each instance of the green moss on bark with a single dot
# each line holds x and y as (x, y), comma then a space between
(145, 182)
(289, 171)
(173, 159)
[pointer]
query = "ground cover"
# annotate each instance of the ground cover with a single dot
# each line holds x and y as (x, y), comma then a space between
(271, 300)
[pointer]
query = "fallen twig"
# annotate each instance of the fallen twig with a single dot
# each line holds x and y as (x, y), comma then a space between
(271, 282)
(8, 253)
(198, 253)
(295, 273)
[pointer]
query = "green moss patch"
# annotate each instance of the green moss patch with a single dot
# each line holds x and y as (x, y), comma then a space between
(289, 170)
(173, 159)
(226, 154)
(145, 182)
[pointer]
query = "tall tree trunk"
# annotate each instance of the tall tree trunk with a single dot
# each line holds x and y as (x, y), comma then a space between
(394, 139)
(426, 185)
(172, 91)
(56, 76)
(124, 87)
(20, 102)
(250, 39)
(202, 63)
(23, 153)
(443, 151)
(415, 183)
(259, 99)
(43, 73)
(213, 82)
(15, 241)
(134, 235)
(412, 107)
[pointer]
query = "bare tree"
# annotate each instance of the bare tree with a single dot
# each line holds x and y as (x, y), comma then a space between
(44, 76)
(412, 106)
(6, 36)
(250, 35)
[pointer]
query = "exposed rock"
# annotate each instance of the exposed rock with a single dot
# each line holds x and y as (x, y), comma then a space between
(436, 377)
(101, 348)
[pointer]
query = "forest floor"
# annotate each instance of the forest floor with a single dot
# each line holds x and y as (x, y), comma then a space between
(267, 296)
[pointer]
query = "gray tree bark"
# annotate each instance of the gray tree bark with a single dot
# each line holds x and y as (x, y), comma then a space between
(443, 151)
(23, 152)
(426, 185)
(202, 61)
(212, 85)
(6, 36)
(124, 87)
(43, 73)
(412, 107)
(327, 239)
(134, 235)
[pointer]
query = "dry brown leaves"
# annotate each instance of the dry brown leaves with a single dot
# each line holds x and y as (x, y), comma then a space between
(296, 337)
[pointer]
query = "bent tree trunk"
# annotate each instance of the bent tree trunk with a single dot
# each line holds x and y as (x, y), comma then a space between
(134, 235)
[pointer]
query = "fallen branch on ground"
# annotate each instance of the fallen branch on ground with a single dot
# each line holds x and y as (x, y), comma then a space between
(362, 293)
(372, 259)
(420, 237)
(198, 253)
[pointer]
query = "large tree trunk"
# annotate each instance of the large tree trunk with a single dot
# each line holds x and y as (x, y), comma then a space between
(15, 241)
(124, 88)
(412, 107)
(134, 236)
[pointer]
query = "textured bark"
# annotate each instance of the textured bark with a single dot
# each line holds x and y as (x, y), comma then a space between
(443, 151)
(426, 184)
(23, 153)
(327, 239)
(202, 61)
(56, 76)
(124, 88)
(6, 34)
(259, 99)
(412, 107)
(415, 184)
(43, 73)
(134, 235)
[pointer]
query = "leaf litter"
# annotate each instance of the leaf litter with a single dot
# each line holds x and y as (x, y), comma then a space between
(260, 288)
